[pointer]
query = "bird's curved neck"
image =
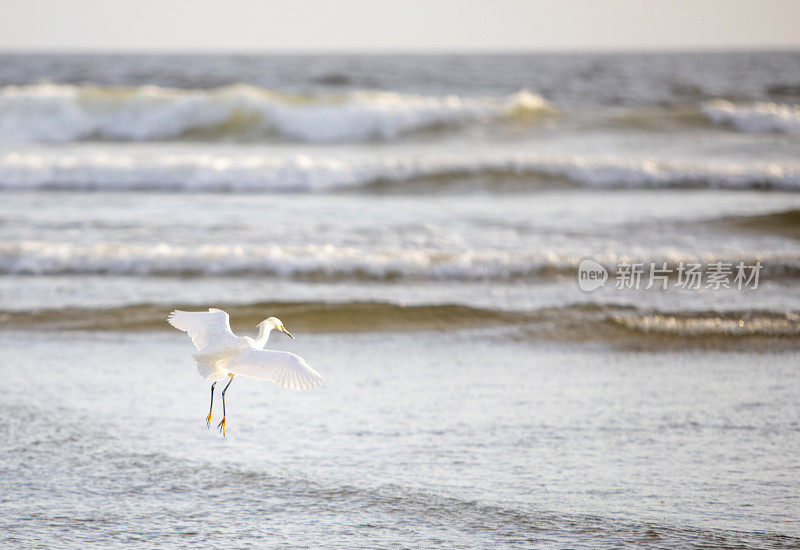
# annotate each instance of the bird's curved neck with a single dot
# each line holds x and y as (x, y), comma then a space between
(263, 336)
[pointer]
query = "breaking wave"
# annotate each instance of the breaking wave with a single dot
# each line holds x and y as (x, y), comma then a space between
(316, 262)
(755, 117)
(616, 324)
(186, 172)
(331, 263)
(66, 113)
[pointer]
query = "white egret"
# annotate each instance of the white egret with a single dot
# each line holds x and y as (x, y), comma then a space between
(222, 354)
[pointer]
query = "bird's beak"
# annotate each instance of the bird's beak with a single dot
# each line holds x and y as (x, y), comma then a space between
(287, 333)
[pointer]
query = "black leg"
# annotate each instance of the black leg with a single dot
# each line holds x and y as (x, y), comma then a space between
(210, 407)
(221, 425)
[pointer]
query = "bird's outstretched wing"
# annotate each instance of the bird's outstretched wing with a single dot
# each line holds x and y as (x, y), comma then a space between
(279, 367)
(208, 329)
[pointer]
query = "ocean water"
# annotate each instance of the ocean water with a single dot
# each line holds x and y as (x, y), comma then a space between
(418, 223)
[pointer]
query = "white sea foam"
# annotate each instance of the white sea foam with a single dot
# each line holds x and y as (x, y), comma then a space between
(39, 257)
(691, 327)
(611, 172)
(755, 117)
(64, 113)
(189, 172)
(327, 261)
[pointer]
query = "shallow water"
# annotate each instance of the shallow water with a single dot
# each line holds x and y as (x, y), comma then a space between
(461, 439)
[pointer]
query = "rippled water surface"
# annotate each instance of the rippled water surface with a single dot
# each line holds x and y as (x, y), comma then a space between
(462, 439)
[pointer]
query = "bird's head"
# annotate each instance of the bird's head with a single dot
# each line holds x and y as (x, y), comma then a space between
(276, 324)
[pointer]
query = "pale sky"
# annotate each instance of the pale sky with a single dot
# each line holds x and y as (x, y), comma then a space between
(402, 25)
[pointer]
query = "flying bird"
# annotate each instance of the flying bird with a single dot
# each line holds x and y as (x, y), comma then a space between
(223, 355)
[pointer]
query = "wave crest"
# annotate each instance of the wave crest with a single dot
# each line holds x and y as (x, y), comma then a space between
(315, 262)
(252, 173)
(328, 262)
(65, 113)
(755, 117)
(619, 325)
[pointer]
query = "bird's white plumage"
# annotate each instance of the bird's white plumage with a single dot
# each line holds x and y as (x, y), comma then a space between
(279, 367)
(221, 353)
(208, 329)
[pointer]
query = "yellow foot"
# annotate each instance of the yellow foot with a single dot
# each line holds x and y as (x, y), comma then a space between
(208, 420)
(221, 427)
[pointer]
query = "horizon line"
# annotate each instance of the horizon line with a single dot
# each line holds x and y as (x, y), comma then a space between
(410, 51)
